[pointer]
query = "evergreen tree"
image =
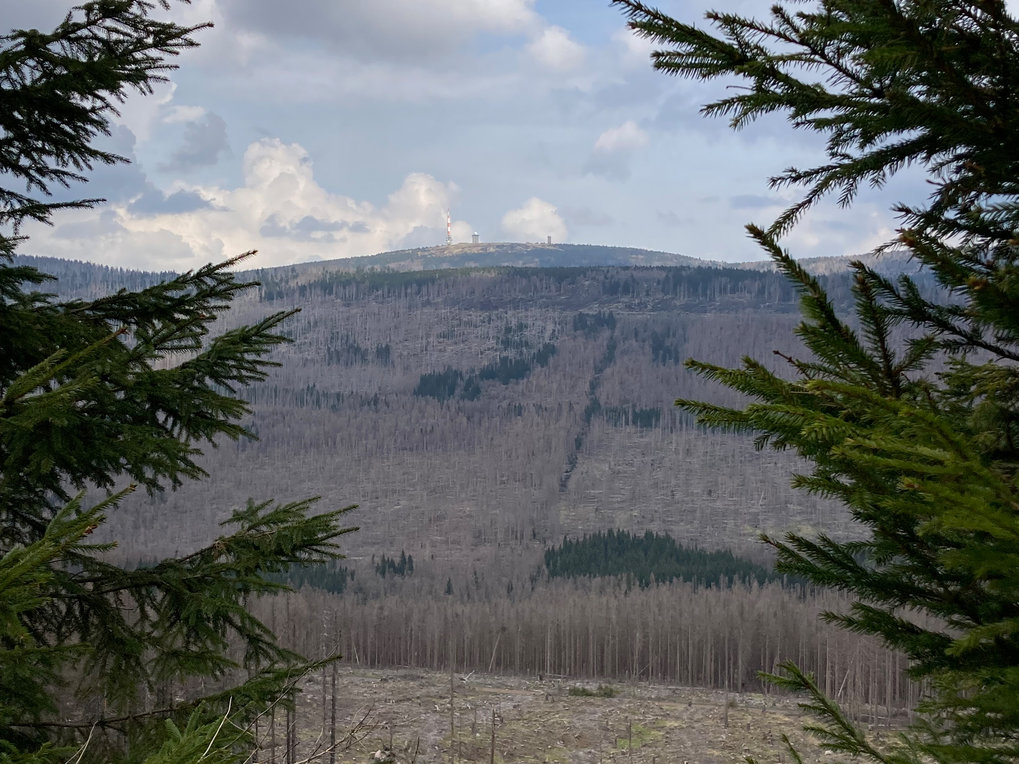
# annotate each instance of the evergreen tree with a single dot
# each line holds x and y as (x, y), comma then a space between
(919, 438)
(649, 558)
(125, 389)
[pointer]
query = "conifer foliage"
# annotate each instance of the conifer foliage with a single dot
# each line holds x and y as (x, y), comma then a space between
(918, 437)
(651, 558)
(122, 391)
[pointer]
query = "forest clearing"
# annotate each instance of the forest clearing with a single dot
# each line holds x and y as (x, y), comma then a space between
(407, 712)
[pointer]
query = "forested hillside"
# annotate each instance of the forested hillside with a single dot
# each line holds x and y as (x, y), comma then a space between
(480, 415)
(497, 409)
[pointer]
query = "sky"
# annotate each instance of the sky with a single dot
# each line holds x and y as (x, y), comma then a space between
(320, 129)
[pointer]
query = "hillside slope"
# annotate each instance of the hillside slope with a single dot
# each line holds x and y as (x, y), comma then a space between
(497, 409)
(477, 414)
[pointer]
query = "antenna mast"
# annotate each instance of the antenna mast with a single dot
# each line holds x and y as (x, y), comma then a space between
(449, 227)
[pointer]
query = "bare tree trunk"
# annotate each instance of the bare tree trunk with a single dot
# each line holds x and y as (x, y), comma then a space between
(495, 647)
(452, 726)
(332, 719)
(291, 758)
(491, 753)
(272, 736)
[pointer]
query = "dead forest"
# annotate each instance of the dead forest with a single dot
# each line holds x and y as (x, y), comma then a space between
(477, 416)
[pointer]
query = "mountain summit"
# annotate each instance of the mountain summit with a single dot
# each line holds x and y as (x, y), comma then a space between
(514, 254)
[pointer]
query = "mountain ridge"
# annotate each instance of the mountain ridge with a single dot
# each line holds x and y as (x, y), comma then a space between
(488, 255)
(510, 254)
(496, 408)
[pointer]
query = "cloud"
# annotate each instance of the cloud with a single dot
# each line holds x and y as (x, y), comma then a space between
(820, 235)
(100, 236)
(534, 221)
(395, 50)
(627, 137)
(672, 219)
(614, 149)
(40, 14)
(755, 202)
(587, 216)
(310, 228)
(404, 30)
(155, 202)
(184, 114)
(554, 49)
(635, 51)
(143, 113)
(118, 182)
(281, 210)
(204, 140)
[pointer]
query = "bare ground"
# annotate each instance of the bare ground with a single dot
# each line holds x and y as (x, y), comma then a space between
(407, 712)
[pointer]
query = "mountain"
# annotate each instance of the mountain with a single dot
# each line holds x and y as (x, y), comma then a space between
(494, 409)
(505, 254)
(477, 413)
(537, 255)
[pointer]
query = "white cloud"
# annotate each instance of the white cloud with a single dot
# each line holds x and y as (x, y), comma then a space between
(389, 50)
(388, 29)
(184, 114)
(284, 76)
(501, 15)
(204, 141)
(627, 137)
(634, 50)
(534, 221)
(614, 149)
(417, 51)
(99, 237)
(831, 231)
(280, 210)
(555, 49)
(462, 232)
(380, 88)
(141, 113)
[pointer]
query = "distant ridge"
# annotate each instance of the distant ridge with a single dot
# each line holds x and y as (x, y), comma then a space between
(889, 263)
(508, 254)
(539, 255)
(73, 274)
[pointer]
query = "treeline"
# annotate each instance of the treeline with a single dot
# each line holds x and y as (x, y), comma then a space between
(346, 351)
(327, 577)
(390, 566)
(81, 280)
(337, 579)
(592, 323)
(678, 634)
(362, 283)
(446, 384)
(648, 559)
(709, 287)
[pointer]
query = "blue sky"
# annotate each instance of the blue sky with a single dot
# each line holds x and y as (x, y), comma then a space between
(317, 129)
